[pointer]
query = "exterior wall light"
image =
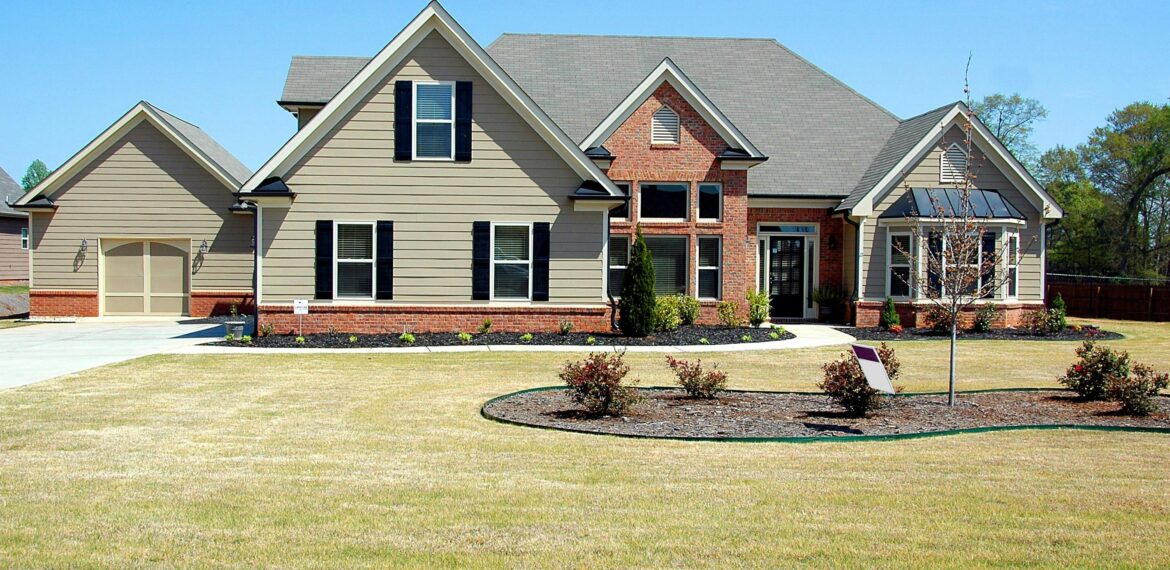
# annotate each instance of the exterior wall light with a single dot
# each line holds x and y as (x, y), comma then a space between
(84, 245)
(203, 248)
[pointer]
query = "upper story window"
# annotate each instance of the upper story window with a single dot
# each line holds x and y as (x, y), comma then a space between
(664, 127)
(710, 202)
(434, 120)
(953, 165)
(621, 212)
(663, 202)
(512, 261)
(354, 260)
(23, 238)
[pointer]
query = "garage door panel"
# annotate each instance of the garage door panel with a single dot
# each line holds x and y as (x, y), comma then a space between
(119, 305)
(124, 269)
(168, 269)
(168, 305)
(146, 277)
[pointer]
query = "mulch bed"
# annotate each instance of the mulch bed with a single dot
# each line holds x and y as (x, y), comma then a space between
(735, 414)
(1086, 333)
(685, 335)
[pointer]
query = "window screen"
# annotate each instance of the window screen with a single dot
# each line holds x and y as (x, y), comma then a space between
(434, 128)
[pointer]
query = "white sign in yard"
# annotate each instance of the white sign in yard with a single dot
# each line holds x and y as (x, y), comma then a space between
(300, 306)
(872, 367)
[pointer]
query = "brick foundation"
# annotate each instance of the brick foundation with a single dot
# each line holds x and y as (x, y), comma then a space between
(396, 319)
(62, 303)
(216, 303)
(868, 314)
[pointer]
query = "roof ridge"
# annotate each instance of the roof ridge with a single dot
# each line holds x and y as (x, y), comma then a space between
(366, 57)
(168, 114)
(935, 110)
(633, 36)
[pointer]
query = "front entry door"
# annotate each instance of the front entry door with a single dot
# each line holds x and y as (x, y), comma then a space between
(786, 276)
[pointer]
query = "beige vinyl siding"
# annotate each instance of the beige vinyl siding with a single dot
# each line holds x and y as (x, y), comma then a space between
(142, 186)
(514, 176)
(925, 174)
(13, 259)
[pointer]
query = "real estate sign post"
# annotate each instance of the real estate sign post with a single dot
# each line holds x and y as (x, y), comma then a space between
(872, 367)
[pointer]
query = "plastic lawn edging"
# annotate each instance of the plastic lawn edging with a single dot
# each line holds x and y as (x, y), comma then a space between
(483, 411)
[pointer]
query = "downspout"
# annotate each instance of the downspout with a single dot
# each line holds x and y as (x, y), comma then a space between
(612, 302)
(856, 296)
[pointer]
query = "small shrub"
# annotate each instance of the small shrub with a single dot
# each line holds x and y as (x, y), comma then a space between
(1042, 322)
(1138, 390)
(728, 312)
(696, 382)
(300, 340)
(406, 338)
(229, 337)
(1096, 364)
(526, 337)
(486, 326)
(465, 338)
(353, 339)
(590, 340)
(939, 318)
(759, 305)
(889, 317)
(985, 318)
(688, 309)
(896, 329)
(233, 311)
(666, 317)
(1057, 314)
(565, 327)
(703, 340)
(246, 339)
(845, 384)
(267, 329)
(774, 335)
(746, 338)
(597, 382)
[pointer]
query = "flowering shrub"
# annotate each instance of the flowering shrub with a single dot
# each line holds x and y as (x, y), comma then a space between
(597, 383)
(1137, 391)
(845, 383)
(896, 329)
(939, 318)
(1090, 375)
(695, 381)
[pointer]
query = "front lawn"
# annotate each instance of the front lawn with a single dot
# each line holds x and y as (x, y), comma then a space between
(13, 289)
(370, 460)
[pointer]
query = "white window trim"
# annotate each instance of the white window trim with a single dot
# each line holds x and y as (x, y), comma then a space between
(978, 263)
(685, 250)
(414, 121)
(642, 200)
(24, 239)
(1011, 266)
(952, 178)
(890, 265)
(717, 268)
(677, 127)
(699, 201)
(630, 188)
(371, 261)
(492, 274)
(608, 267)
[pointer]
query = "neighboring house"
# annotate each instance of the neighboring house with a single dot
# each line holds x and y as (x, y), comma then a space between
(13, 233)
(438, 184)
(142, 221)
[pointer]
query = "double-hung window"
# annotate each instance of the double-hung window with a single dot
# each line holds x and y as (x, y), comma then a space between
(353, 260)
(23, 238)
(669, 255)
(899, 253)
(619, 257)
(708, 266)
(663, 202)
(512, 261)
(1012, 261)
(434, 120)
(621, 212)
(710, 202)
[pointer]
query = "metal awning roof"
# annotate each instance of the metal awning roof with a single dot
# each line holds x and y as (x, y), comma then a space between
(948, 203)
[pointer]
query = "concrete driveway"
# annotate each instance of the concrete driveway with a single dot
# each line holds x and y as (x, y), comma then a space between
(47, 350)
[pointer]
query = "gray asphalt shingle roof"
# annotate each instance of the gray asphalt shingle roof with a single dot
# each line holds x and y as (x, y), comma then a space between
(10, 192)
(316, 79)
(207, 145)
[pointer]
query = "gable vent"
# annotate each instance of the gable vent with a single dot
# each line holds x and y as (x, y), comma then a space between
(953, 165)
(664, 127)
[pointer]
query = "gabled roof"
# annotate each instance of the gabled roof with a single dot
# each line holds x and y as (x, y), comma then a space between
(315, 80)
(895, 160)
(10, 192)
(200, 147)
(669, 72)
(433, 18)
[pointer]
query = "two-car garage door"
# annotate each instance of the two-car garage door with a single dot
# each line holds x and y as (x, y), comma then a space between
(145, 277)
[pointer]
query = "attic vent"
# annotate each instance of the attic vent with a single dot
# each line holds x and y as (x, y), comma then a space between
(664, 127)
(953, 165)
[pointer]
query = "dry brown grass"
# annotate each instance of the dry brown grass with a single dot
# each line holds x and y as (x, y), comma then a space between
(373, 461)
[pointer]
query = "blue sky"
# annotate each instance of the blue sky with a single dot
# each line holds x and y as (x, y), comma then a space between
(72, 68)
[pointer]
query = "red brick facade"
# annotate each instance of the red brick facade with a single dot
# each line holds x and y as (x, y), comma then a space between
(829, 241)
(216, 303)
(60, 303)
(397, 319)
(915, 314)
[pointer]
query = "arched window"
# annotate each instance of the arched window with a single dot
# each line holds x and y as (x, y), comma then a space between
(664, 127)
(953, 164)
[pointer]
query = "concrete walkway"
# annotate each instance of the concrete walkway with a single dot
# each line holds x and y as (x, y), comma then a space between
(34, 353)
(807, 336)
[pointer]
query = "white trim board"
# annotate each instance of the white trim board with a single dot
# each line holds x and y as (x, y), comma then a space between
(432, 18)
(143, 111)
(670, 73)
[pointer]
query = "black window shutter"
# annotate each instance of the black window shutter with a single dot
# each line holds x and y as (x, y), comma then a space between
(540, 255)
(403, 119)
(462, 120)
(481, 260)
(933, 264)
(323, 284)
(385, 261)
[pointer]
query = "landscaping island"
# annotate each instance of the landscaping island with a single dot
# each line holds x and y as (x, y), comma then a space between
(1066, 334)
(670, 413)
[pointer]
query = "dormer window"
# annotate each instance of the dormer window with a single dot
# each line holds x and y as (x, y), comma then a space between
(664, 127)
(953, 165)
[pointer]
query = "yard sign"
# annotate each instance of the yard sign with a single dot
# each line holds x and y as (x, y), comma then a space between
(874, 370)
(300, 308)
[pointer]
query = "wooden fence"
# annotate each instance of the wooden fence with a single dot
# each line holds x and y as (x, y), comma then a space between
(1127, 301)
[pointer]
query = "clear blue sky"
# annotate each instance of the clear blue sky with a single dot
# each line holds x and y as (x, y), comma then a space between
(72, 68)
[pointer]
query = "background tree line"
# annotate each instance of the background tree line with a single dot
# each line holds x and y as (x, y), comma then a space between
(1114, 187)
